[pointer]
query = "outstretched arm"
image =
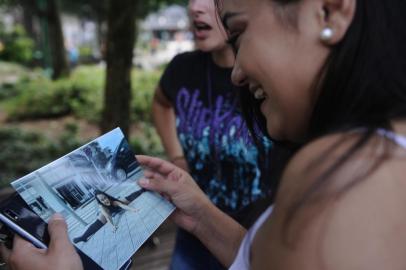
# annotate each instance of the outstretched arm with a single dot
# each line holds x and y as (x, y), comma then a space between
(126, 207)
(195, 213)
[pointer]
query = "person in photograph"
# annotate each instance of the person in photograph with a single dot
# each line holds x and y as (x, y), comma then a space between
(109, 207)
(198, 118)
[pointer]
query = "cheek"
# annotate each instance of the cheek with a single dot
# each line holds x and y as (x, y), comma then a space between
(287, 115)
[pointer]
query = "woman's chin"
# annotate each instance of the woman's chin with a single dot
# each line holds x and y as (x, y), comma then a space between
(273, 132)
(277, 133)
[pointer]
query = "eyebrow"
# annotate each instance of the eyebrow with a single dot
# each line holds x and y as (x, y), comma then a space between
(227, 16)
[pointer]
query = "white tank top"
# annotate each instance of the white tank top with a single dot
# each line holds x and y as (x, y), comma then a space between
(242, 261)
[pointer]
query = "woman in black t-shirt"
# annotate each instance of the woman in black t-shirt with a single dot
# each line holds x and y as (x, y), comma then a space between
(197, 115)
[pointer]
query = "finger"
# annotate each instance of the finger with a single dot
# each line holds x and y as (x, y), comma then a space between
(153, 175)
(57, 229)
(4, 253)
(22, 245)
(156, 164)
(22, 249)
(174, 175)
(167, 187)
(24, 255)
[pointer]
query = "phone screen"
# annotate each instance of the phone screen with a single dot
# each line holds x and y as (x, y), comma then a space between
(16, 210)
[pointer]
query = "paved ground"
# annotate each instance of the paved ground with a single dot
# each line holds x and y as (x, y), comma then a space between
(156, 258)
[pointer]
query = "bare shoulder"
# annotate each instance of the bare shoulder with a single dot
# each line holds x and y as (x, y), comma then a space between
(352, 219)
(342, 158)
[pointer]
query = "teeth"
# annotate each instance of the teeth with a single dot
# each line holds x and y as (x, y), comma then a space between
(259, 93)
(200, 25)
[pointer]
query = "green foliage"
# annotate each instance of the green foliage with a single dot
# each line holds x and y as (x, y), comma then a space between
(143, 87)
(10, 74)
(88, 86)
(86, 54)
(40, 98)
(146, 141)
(22, 152)
(16, 46)
(81, 95)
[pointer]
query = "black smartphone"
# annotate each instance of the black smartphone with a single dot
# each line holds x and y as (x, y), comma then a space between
(16, 217)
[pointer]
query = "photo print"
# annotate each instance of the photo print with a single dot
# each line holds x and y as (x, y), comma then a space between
(95, 188)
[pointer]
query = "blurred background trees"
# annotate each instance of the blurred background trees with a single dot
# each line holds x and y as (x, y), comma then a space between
(70, 69)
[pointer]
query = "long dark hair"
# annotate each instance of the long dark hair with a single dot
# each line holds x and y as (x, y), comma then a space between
(362, 87)
(110, 198)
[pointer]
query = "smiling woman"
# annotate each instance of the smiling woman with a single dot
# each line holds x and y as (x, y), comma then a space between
(278, 52)
(323, 69)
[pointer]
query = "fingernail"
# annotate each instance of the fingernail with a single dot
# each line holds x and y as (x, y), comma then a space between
(143, 182)
(57, 216)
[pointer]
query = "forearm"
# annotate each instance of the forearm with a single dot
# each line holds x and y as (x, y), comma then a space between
(165, 124)
(126, 207)
(220, 234)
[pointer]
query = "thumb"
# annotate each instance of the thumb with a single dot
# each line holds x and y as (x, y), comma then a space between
(58, 233)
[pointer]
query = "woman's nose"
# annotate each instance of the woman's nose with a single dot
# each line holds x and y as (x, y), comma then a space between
(238, 77)
(196, 7)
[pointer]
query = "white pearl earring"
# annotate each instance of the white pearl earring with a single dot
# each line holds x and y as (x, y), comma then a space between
(326, 34)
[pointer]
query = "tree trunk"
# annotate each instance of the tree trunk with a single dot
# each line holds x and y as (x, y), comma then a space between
(28, 22)
(120, 44)
(56, 41)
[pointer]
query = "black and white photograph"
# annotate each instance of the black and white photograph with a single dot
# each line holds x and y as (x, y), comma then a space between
(95, 188)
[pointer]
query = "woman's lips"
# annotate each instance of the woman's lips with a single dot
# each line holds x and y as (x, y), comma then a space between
(201, 30)
(201, 34)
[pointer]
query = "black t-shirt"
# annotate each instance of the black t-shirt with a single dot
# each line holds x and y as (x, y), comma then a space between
(220, 152)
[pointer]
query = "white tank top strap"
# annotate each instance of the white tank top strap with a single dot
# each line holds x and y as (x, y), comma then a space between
(396, 138)
(242, 261)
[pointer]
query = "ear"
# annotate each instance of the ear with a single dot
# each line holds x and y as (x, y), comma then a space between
(337, 15)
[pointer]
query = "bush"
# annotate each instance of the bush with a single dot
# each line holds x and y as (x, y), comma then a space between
(10, 74)
(143, 87)
(17, 46)
(23, 152)
(81, 95)
(40, 98)
(147, 141)
(88, 86)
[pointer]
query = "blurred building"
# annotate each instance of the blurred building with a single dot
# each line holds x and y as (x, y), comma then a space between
(164, 34)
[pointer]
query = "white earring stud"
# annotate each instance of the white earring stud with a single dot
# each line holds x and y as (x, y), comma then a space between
(326, 34)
